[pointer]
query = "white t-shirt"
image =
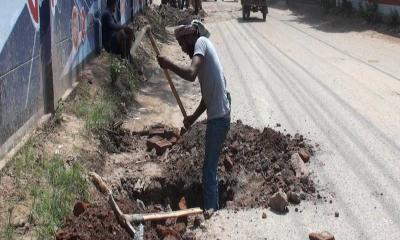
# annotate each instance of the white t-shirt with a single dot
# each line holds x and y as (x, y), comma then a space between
(212, 80)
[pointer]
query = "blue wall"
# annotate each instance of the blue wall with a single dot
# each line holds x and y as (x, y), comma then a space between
(72, 42)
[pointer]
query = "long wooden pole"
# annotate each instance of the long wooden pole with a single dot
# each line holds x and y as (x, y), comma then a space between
(166, 73)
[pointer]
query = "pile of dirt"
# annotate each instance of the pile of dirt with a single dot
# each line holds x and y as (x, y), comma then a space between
(115, 139)
(174, 16)
(98, 221)
(162, 16)
(253, 166)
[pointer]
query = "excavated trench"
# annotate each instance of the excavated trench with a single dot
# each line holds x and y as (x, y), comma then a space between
(253, 166)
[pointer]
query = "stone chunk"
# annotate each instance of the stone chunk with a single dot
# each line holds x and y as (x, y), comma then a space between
(305, 156)
(294, 198)
(321, 236)
(279, 202)
(299, 167)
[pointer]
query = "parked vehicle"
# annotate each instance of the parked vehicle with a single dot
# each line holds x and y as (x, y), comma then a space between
(254, 6)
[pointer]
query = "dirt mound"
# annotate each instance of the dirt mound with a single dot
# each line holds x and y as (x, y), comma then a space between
(162, 16)
(115, 139)
(253, 166)
(97, 222)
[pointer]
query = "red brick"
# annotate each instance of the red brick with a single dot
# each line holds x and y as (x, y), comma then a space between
(321, 236)
(152, 142)
(162, 146)
(182, 204)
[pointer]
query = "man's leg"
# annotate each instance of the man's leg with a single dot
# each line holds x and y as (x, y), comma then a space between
(121, 41)
(215, 137)
(129, 38)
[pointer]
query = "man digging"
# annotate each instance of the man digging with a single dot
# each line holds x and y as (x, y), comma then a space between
(205, 65)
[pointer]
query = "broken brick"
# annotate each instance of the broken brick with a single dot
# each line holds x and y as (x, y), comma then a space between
(152, 142)
(182, 204)
(305, 156)
(159, 144)
(321, 236)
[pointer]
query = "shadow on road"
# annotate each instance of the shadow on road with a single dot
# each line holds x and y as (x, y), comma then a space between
(251, 19)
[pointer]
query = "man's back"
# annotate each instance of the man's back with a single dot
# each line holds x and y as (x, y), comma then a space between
(109, 27)
(212, 80)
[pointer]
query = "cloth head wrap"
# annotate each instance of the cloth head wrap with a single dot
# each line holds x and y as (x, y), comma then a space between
(195, 27)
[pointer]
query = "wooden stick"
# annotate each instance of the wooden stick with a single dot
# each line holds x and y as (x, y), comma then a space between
(162, 215)
(138, 39)
(166, 73)
(102, 187)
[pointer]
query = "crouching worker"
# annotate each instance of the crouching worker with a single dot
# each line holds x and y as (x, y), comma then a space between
(117, 38)
(205, 65)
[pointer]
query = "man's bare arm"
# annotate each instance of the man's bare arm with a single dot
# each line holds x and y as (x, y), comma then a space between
(187, 73)
(187, 122)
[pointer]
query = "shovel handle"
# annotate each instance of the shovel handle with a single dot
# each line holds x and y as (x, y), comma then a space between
(167, 76)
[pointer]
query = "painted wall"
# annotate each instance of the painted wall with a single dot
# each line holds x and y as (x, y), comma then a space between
(20, 65)
(72, 42)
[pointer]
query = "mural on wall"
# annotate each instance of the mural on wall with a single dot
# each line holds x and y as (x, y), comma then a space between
(72, 35)
(20, 80)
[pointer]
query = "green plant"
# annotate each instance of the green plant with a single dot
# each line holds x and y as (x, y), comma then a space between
(115, 68)
(9, 230)
(58, 113)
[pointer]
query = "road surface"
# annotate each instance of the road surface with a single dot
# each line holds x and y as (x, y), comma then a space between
(341, 89)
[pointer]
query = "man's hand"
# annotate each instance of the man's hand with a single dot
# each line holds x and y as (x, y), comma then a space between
(188, 121)
(164, 62)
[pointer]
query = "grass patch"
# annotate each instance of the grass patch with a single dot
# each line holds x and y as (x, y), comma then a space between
(53, 187)
(7, 232)
(54, 201)
(103, 106)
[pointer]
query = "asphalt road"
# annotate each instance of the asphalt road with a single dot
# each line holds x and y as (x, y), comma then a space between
(339, 88)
